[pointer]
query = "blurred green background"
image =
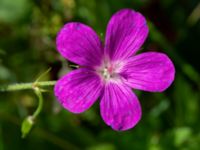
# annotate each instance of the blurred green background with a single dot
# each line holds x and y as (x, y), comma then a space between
(28, 29)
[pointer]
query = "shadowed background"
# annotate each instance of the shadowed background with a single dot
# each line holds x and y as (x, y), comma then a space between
(27, 48)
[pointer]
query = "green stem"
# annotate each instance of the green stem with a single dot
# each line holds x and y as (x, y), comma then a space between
(24, 86)
(40, 104)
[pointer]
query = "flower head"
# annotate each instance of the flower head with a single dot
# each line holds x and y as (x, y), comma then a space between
(109, 72)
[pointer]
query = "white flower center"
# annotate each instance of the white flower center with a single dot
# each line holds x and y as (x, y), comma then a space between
(106, 73)
(109, 71)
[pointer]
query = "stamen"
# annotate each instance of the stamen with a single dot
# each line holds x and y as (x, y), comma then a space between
(109, 71)
(106, 73)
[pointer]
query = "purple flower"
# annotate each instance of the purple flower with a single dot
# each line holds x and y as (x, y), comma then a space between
(109, 71)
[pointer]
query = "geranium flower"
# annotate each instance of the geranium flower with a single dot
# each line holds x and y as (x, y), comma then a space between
(108, 72)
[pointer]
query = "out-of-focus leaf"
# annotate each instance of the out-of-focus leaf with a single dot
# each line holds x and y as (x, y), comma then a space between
(182, 135)
(5, 74)
(13, 10)
(154, 143)
(2, 52)
(103, 146)
(162, 106)
(187, 102)
(1, 139)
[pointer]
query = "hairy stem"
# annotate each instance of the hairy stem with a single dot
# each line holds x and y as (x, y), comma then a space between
(24, 86)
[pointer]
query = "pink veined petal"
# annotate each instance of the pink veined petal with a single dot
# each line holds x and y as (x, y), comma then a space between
(125, 34)
(120, 107)
(80, 44)
(150, 71)
(78, 90)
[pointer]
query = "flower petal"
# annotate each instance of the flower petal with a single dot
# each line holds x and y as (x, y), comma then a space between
(120, 107)
(126, 32)
(80, 44)
(150, 71)
(78, 90)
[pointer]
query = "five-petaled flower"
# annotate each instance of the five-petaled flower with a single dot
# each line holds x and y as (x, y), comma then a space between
(108, 72)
